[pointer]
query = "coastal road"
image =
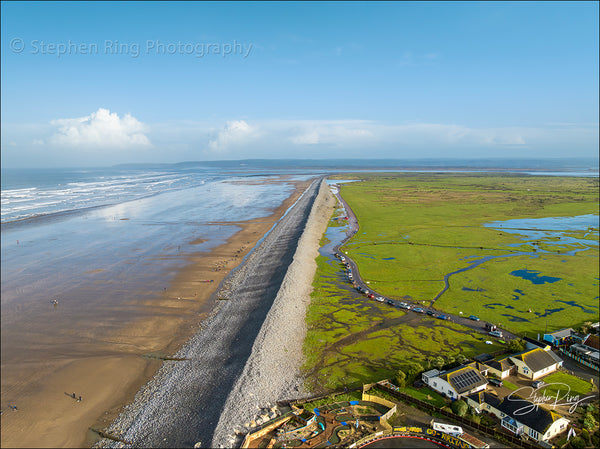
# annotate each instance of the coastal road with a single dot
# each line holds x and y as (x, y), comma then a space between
(182, 405)
(358, 282)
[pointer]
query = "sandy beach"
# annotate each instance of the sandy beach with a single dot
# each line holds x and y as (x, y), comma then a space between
(182, 405)
(108, 370)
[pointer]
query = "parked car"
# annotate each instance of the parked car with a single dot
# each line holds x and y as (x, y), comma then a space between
(490, 327)
(403, 305)
(537, 383)
(390, 302)
(496, 334)
(474, 318)
(430, 313)
(442, 317)
(496, 382)
(379, 298)
(418, 310)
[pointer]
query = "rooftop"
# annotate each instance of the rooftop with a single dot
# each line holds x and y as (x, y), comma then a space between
(464, 378)
(593, 341)
(501, 365)
(536, 359)
(562, 333)
(526, 412)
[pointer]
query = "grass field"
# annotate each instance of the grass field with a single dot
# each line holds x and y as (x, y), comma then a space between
(573, 386)
(417, 228)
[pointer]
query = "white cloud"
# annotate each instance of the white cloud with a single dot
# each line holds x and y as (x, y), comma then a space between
(337, 133)
(235, 133)
(101, 129)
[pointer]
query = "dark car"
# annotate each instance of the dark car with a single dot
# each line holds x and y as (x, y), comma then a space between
(430, 313)
(496, 382)
(390, 302)
(442, 317)
(537, 383)
(474, 318)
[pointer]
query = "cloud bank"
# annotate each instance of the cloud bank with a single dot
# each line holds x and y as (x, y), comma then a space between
(101, 129)
(109, 139)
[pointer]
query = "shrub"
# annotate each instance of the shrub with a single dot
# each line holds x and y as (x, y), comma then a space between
(459, 407)
(401, 379)
(585, 435)
(413, 370)
(589, 422)
(596, 438)
(561, 442)
(577, 443)
(476, 419)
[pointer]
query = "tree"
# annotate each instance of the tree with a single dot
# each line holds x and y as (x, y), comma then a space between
(459, 407)
(438, 362)
(517, 345)
(401, 379)
(413, 369)
(585, 328)
(460, 358)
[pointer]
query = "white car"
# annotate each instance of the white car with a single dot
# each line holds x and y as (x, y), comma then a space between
(496, 334)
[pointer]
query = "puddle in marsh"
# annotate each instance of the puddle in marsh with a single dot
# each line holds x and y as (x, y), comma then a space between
(552, 230)
(534, 276)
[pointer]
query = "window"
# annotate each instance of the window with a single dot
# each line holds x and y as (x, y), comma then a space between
(525, 370)
(435, 384)
(533, 433)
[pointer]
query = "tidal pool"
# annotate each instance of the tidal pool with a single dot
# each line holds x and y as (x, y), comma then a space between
(534, 276)
(551, 228)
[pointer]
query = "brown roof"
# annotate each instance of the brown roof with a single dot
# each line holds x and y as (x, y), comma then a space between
(593, 341)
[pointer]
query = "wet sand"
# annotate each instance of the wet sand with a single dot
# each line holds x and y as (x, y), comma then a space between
(182, 404)
(108, 368)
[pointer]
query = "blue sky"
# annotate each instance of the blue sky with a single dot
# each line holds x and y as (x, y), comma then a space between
(106, 83)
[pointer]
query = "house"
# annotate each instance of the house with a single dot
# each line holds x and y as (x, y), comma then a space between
(535, 363)
(457, 382)
(592, 341)
(520, 416)
(560, 337)
(587, 352)
(500, 368)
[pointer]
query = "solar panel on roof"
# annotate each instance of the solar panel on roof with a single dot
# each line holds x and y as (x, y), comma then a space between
(465, 379)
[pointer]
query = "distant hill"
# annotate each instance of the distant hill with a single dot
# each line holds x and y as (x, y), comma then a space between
(555, 164)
